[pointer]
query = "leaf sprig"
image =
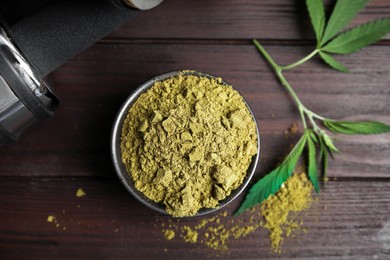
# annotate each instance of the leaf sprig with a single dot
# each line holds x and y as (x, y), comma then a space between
(329, 41)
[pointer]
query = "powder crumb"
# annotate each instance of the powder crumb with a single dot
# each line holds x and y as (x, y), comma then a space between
(292, 130)
(116, 230)
(169, 234)
(325, 179)
(244, 231)
(51, 218)
(190, 236)
(80, 193)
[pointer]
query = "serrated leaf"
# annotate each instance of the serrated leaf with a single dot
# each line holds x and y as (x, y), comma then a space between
(272, 182)
(317, 16)
(333, 63)
(313, 136)
(322, 146)
(312, 165)
(343, 13)
(324, 156)
(360, 127)
(329, 143)
(359, 37)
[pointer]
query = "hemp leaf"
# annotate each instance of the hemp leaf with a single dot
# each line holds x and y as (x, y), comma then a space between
(333, 63)
(312, 164)
(343, 13)
(329, 40)
(317, 15)
(271, 183)
(329, 143)
(351, 128)
(359, 37)
(324, 157)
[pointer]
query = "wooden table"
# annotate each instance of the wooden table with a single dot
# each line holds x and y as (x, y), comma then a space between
(40, 174)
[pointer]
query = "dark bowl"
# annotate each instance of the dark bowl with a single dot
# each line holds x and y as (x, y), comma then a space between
(125, 177)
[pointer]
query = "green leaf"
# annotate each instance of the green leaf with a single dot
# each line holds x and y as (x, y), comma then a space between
(329, 143)
(333, 63)
(313, 136)
(361, 127)
(359, 37)
(322, 146)
(317, 16)
(271, 183)
(312, 165)
(324, 156)
(343, 13)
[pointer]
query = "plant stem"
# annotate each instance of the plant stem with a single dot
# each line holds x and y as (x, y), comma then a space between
(314, 125)
(266, 55)
(301, 61)
(302, 109)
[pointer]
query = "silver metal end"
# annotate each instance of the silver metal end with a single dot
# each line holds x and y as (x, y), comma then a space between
(24, 98)
(143, 4)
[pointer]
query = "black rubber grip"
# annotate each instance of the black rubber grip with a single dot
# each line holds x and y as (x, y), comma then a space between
(64, 28)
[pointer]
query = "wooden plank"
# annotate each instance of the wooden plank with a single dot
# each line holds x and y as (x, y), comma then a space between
(350, 220)
(93, 86)
(234, 19)
(39, 175)
(215, 19)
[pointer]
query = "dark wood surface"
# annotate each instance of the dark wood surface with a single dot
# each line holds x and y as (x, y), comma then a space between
(41, 173)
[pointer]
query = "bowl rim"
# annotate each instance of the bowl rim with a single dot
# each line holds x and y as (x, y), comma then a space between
(120, 168)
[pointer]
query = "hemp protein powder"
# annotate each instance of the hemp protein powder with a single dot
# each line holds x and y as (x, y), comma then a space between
(187, 143)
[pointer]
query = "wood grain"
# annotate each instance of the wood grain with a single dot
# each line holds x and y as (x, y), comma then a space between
(351, 220)
(93, 86)
(40, 174)
(234, 19)
(216, 19)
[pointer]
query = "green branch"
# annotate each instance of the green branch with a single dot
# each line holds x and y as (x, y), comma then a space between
(301, 61)
(329, 41)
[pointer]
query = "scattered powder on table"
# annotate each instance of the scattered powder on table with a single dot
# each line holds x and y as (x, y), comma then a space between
(53, 219)
(187, 143)
(169, 234)
(278, 214)
(292, 130)
(50, 218)
(80, 193)
(190, 236)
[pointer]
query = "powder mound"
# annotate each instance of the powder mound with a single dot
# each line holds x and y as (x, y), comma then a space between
(294, 196)
(187, 143)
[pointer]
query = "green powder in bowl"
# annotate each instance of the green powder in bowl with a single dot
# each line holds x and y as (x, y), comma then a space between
(188, 141)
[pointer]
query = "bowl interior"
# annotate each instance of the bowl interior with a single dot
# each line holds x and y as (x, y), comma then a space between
(125, 177)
